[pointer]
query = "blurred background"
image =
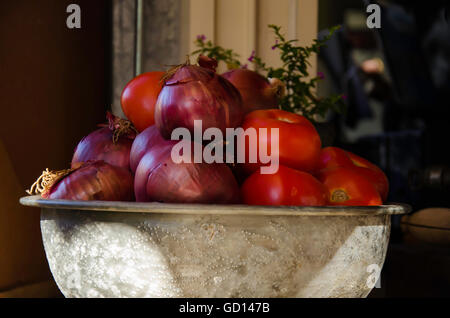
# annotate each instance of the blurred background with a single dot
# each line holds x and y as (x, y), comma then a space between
(58, 82)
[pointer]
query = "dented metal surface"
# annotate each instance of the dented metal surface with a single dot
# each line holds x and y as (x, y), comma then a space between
(123, 254)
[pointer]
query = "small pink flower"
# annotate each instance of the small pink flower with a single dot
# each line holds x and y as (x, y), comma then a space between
(344, 97)
(201, 37)
(320, 75)
(252, 56)
(275, 45)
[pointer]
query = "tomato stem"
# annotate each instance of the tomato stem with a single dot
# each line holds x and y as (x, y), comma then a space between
(339, 196)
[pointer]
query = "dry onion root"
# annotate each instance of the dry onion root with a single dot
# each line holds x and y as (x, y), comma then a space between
(92, 180)
(119, 127)
(111, 143)
(47, 179)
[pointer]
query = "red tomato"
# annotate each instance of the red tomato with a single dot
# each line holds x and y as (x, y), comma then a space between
(361, 162)
(333, 157)
(347, 186)
(299, 143)
(139, 98)
(285, 187)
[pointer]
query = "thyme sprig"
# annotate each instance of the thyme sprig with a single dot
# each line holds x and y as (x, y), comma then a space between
(300, 97)
(300, 94)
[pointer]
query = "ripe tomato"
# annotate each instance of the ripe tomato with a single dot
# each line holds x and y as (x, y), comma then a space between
(139, 98)
(299, 143)
(285, 187)
(347, 186)
(361, 162)
(333, 157)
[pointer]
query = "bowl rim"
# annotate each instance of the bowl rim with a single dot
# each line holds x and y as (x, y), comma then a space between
(213, 209)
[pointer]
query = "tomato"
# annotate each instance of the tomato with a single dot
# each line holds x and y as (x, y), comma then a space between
(361, 162)
(285, 187)
(139, 98)
(299, 143)
(333, 157)
(347, 186)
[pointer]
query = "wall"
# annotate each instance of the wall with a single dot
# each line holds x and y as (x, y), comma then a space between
(169, 29)
(242, 24)
(54, 90)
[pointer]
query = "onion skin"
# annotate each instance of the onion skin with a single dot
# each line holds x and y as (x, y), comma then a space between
(95, 180)
(197, 93)
(99, 145)
(256, 90)
(207, 62)
(143, 142)
(158, 178)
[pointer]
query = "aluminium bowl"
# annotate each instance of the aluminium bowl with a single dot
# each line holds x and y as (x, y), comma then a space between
(130, 249)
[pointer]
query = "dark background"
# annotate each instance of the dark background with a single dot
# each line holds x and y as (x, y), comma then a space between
(412, 95)
(54, 89)
(55, 81)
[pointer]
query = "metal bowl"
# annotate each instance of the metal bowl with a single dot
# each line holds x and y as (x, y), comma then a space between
(128, 249)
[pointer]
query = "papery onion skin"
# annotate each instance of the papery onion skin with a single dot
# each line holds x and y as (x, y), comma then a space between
(159, 179)
(142, 143)
(99, 145)
(197, 93)
(94, 180)
(256, 90)
(207, 62)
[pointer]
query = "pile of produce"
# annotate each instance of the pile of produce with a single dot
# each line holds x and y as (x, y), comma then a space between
(119, 162)
(133, 160)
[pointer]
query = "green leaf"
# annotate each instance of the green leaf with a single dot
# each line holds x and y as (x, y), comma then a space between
(299, 96)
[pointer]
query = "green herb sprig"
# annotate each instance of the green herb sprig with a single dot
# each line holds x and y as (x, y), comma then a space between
(300, 97)
(230, 58)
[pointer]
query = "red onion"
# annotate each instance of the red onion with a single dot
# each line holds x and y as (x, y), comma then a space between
(257, 91)
(93, 180)
(158, 178)
(112, 143)
(197, 93)
(143, 142)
